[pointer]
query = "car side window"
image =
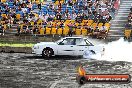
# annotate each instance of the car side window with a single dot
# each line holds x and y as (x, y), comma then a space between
(80, 41)
(67, 42)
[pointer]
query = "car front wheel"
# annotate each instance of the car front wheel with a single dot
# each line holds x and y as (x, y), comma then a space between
(47, 53)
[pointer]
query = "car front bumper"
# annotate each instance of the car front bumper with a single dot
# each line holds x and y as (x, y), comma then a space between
(36, 51)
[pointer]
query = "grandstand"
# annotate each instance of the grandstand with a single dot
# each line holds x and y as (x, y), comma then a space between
(57, 17)
(118, 24)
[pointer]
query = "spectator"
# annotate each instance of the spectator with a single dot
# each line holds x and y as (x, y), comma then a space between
(89, 30)
(96, 10)
(79, 19)
(85, 25)
(24, 28)
(31, 15)
(18, 29)
(30, 6)
(44, 24)
(70, 25)
(49, 24)
(103, 28)
(96, 32)
(24, 10)
(129, 19)
(59, 7)
(128, 26)
(62, 24)
(67, 13)
(108, 17)
(39, 5)
(50, 18)
(85, 17)
(28, 31)
(70, 3)
(30, 27)
(74, 15)
(46, 17)
(25, 20)
(51, 6)
(91, 16)
(15, 20)
(131, 9)
(35, 30)
(1, 29)
(59, 16)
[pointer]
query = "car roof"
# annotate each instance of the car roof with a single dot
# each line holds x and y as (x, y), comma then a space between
(74, 37)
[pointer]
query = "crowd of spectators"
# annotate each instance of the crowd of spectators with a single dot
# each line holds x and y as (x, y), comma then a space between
(98, 10)
(8, 11)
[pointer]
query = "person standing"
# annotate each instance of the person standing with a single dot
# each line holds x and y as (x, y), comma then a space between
(39, 5)
(30, 6)
(1, 30)
(70, 25)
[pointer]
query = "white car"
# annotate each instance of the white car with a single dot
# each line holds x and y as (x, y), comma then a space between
(72, 46)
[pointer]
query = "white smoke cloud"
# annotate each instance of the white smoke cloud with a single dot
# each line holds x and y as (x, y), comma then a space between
(119, 50)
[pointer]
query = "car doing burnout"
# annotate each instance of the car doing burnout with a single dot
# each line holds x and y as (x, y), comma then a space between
(71, 46)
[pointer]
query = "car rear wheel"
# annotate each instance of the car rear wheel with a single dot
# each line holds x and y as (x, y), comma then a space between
(47, 53)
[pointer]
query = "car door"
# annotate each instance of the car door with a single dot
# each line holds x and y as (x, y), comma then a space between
(81, 46)
(66, 47)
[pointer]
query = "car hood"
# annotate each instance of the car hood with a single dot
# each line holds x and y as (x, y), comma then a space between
(46, 43)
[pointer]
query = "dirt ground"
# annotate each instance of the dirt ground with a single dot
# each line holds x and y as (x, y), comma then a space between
(19, 70)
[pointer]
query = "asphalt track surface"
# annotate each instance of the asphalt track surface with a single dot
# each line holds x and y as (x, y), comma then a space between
(19, 70)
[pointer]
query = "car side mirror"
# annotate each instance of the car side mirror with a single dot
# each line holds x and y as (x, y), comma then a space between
(61, 43)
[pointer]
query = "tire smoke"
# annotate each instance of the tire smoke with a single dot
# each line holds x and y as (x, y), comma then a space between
(119, 50)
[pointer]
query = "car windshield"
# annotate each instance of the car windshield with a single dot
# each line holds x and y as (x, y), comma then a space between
(59, 41)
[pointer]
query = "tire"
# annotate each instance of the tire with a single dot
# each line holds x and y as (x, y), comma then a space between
(47, 52)
(93, 52)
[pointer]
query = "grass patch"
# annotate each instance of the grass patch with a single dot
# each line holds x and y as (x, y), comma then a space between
(17, 44)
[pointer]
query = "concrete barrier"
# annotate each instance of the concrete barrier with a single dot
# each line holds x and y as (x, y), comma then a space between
(8, 49)
(28, 50)
(2, 49)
